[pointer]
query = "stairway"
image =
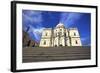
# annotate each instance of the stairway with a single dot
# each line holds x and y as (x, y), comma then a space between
(38, 54)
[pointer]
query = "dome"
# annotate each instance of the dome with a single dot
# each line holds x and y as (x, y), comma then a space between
(60, 25)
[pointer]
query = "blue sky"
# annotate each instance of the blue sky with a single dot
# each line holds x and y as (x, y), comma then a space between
(38, 20)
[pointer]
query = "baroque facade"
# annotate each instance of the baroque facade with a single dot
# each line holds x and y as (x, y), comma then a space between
(60, 36)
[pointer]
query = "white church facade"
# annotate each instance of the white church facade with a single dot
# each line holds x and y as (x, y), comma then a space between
(60, 36)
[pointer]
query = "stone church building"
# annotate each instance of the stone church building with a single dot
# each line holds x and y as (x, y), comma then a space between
(60, 36)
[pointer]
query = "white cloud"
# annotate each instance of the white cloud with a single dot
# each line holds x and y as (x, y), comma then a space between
(70, 18)
(38, 30)
(32, 16)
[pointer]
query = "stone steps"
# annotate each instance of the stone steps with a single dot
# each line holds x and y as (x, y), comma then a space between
(55, 54)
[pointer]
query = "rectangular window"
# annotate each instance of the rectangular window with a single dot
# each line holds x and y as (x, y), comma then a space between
(76, 42)
(44, 42)
(45, 34)
(74, 34)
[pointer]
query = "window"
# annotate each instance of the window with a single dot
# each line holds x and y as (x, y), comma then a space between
(46, 34)
(74, 34)
(76, 42)
(56, 30)
(60, 29)
(64, 34)
(44, 42)
(55, 45)
(60, 44)
(60, 33)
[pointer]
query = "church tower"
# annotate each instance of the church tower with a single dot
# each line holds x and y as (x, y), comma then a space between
(74, 37)
(46, 38)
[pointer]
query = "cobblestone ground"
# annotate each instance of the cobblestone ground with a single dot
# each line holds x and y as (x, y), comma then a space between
(38, 54)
